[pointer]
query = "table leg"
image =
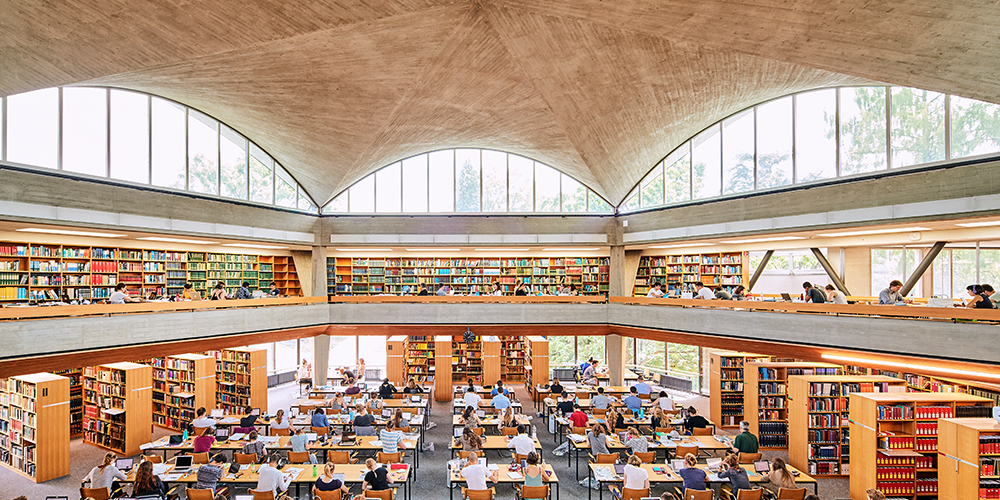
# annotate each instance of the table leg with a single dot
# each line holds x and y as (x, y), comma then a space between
(557, 491)
(578, 464)
(590, 492)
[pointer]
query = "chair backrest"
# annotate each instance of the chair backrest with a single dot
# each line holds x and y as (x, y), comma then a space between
(463, 454)
(690, 494)
(317, 396)
(199, 430)
(245, 458)
(298, 457)
(510, 431)
(702, 431)
(518, 457)
(607, 458)
(338, 457)
(199, 458)
(278, 432)
(193, 494)
(389, 458)
(95, 493)
(791, 494)
(630, 494)
(749, 458)
(749, 494)
(327, 495)
(380, 494)
(665, 430)
(479, 430)
(405, 430)
(579, 430)
(600, 412)
(331, 411)
(320, 431)
(262, 495)
(153, 459)
(644, 396)
(535, 491)
(682, 450)
(479, 494)
(647, 457)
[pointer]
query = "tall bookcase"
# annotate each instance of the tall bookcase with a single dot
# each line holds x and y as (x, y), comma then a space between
(241, 379)
(968, 458)
(376, 275)
(679, 273)
(513, 358)
(420, 358)
(395, 360)
(34, 425)
(467, 360)
(118, 406)
(75, 376)
(727, 379)
(283, 274)
(491, 360)
(537, 371)
(182, 384)
(819, 439)
(765, 391)
(443, 365)
(896, 440)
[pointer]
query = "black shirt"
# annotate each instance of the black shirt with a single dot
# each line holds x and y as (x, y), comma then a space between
(366, 420)
(520, 292)
(695, 421)
(385, 391)
(620, 423)
(815, 296)
(556, 389)
(378, 479)
(566, 407)
(413, 390)
(655, 422)
(248, 421)
(423, 292)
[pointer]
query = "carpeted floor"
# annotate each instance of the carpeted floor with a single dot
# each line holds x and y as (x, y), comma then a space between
(431, 475)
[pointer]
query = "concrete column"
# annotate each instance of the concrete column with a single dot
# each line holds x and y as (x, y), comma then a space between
(614, 346)
(319, 271)
(858, 270)
(624, 265)
(321, 359)
(321, 343)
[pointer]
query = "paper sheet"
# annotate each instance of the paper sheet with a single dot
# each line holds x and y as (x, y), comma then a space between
(515, 476)
(166, 478)
(160, 468)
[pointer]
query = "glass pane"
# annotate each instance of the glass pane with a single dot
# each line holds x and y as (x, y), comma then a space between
(975, 127)
(85, 131)
(261, 178)
(522, 184)
(286, 355)
(597, 205)
(737, 153)
(632, 202)
(574, 195)
(862, 130)
(305, 203)
(33, 128)
(651, 354)
(989, 266)
(652, 188)
(941, 269)
(546, 188)
(285, 194)
(467, 184)
(917, 126)
(683, 361)
(388, 185)
(129, 136)
(415, 184)
(372, 348)
(362, 195)
(561, 350)
(887, 265)
(815, 135)
(678, 174)
(343, 353)
(442, 183)
(233, 152)
(913, 258)
(629, 351)
(338, 205)
(169, 155)
(963, 271)
(774, 143)
(590, 346)
(203, 153)
(494, 181)
(707, 163)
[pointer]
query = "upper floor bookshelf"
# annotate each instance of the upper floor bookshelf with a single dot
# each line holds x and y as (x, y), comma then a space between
(679, 273)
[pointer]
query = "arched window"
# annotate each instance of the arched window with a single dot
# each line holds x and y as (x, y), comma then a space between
(470, 181)
(818, 135)
(142, 139)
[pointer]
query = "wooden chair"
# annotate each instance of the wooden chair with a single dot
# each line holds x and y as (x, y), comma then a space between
(262, 495)
(478, 494)
(298, 457)
(245, 458)
(690, 494)
(405, 430)
(578, 430)
(647, 458)
(199, 458)
(705, 431)
(605, 458)
(327, 495)
(647, 397)
(509, 431)
(757, 494)
(522, 492)
(199, 430)
(330, 411)
(193, 494)
(278, 432)
(682, 450)
(791, 494)
(319, 431)
(153, 459)
(380, 495)
(583, 394)
(518, 457)
(96, 493)
(749, 458)
(630, 494)
(340, 457)
(465, 454)
(664, 430)
(479, 430)
(600, 412)
(389, 458)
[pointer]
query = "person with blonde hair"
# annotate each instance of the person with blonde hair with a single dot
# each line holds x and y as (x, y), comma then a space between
(377, 479)
(327, 482)
(636, 442)
(737, 475)
(694, 478)
(106, 475)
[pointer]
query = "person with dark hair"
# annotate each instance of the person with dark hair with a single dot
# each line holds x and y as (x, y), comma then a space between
(694, 421)
(470, 440)
(319, 418)
(121, 296)
(412, 387)
(988, 292)
(835, 296)
(779, 477)
(386, 390)
(201, 420)
(105, 475)
(522, 442)
(595, 437)
(471, 398)
(254, 446)
(703, 292)
(469, 418)
(601, 401)
(632, 401)
(578, 417)
(737, 475)
(211, 473)
(534, 475)
(655, 292)
(423, 290)
(147, 483)
(270, 478)
(244, 291)
(977, 299)
(811, 294)
(722, 294)
(740, 293)
(219, 292)
(498, 389)
(891, 295)
(190, 293)
(204, 442)
(274, 291)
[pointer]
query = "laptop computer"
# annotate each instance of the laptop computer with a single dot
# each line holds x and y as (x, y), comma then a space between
(713, 463)
(761, 466)
(182, 464)
(482, 461)
(415, 399)
(480, 413)
(124, 464)
(619, 469)
(348, 438)
(677, 464)
(218, 413)
(786, 297)
(458, 432)
(243, 497)
(175, 439)
(339, 475)
(386, 413)
(255, 412)
(222, 434)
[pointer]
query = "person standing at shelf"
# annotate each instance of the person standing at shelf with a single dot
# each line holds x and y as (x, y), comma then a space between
(274, 291)
(703, 292)
(835, 296)
(190, 293)
(655, 292)
(891, 295)
(244, 291)
(121, 296)
(811, 294)
(219, 292)
(745, 441)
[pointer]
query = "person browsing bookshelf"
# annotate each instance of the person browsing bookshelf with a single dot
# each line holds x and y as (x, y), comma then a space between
(745, 441)
(121, 296)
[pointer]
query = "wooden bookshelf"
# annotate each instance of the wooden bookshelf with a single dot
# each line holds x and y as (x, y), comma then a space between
(285, 275)
(679, 273)
(818, 406)
(467, 360)
(727, 379)
(466, 276)
(442, 368)
(492, 360)
(896, 440)
(395, 360)
(118, 406)
(765, 389)
(513, 358)
(968, 458)
(241, 379)
(75, 376)
(537, 371)
(182, 384)
(420, 359)
(34, 425)
(927, 383)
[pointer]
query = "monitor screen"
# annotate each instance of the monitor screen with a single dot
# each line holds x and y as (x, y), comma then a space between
(218, 413)
(222, 433)
(123, 464)
(255, 412)
(184, 461)
(677, 464)
(407, 415)
(713, 462)
(415, 399)
(458, 432)
(386, 413)
(619, 468)
(761, 465)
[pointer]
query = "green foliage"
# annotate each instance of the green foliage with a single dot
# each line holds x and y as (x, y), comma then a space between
(863, 136)
(467, 192)
(772, 170)
(917, 126)
(678, 180)
(739, 178)
(652, 192)
(975, 127)
(203, 175)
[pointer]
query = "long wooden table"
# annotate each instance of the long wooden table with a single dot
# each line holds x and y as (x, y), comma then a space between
(490, 420)
(455, 478)
(663, 474)
(490, 443)
(704, 443)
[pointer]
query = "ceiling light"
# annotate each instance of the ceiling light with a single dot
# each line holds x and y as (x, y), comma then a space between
(571, 249)
(761, 240)
(248, 245)
(178, 240)
(980, 224)
(363, 249)
(909, 366)
(71, 233)
(433, 249)
(876, 231)
(683, 245)
(510, 249)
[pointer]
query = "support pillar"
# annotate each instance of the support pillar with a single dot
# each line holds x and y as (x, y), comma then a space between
(614, 346)
(624, 264)
(321, 359)
(317, 288)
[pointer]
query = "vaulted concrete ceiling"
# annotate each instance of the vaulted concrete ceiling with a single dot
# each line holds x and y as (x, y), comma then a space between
(601, 90)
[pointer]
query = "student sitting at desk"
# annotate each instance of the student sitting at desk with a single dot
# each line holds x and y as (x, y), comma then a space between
(522, 442)
(659, 419)
(338, 403)
(364, 423)
(565, 406)
(601, 401)
(247, 421)
(642, 387)
(636, 478)
(120, 296)
(779, 477)
(470, 440)
(469, 418)
(615, 420)
(106, 475)
(412, 387)
(500, 402)
(508, 418)
(632, 401)
(590, 374)
(386, 390)
(499, 389)
(148, 484)
(201, 421)
(377, 479)
(597, 440)
(270, 478)
(555, 388)
(533, 474)
(300, 444)
(254, 446)
(390, 437)
(280, 422)
(476, 474)
(664, 401)
(219, 292)
(694, 478)
(635, 441)
(578, 418)
(737, 475)
(274, 291)
(204, 442)
(353, 390)
(471, 398)
(319, 418)
(210, 474)
(190, 293)
(327, 482)
(243, 292)
(694, 421)
(745, 441)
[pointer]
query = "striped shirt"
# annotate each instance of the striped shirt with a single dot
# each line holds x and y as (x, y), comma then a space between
(390, 440)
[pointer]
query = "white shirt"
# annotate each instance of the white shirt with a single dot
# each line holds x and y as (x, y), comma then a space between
(635, 477)
(117, 297)
(104, 479)
(653, 292)
(271, 479)
(472, 399)
(203, 422)
(665, 403)
(522, 444)
(282, 425)
(706, 294)
(475, 476)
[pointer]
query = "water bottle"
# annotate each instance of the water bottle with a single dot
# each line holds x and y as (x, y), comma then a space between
(185, 435)
(534, 432)
(314, 470)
